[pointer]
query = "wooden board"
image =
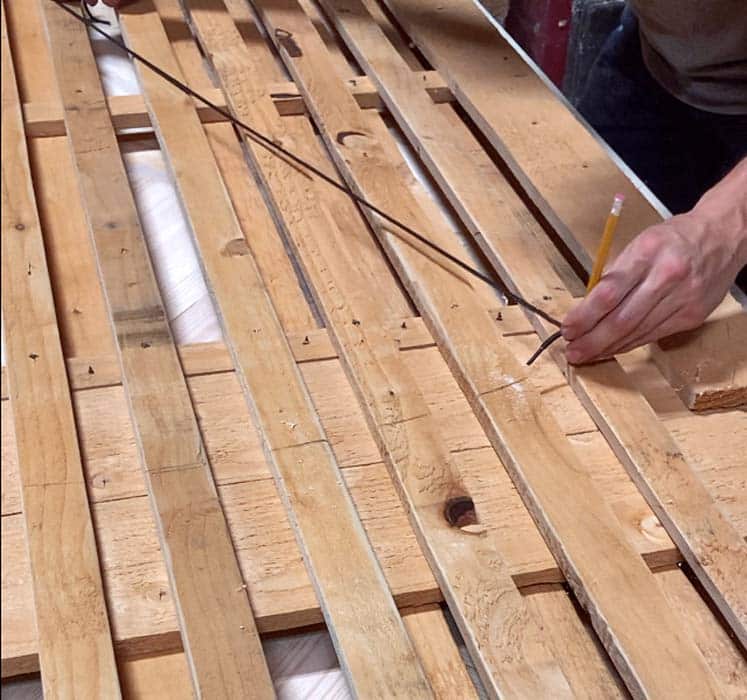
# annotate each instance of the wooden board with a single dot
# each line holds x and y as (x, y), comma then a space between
(397, 415)
(219, 634)
(412, 411)
(652, 458)
(75, 649)
(370, 164)
(352, 591)
(565, 170)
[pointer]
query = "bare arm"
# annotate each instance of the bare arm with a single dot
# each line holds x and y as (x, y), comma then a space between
(668, 279)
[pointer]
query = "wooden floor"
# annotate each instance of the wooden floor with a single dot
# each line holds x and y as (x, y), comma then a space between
(301, 417)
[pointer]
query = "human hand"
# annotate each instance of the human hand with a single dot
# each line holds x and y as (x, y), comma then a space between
(666, 280)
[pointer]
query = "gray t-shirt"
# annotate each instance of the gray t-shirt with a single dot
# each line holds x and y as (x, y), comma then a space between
(697, 50)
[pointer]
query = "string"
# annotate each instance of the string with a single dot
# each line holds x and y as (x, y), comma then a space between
(268, 144)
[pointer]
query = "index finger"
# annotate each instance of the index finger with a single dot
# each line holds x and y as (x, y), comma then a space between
(612, 289)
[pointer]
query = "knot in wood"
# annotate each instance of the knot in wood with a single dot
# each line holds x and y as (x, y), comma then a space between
(460, 511)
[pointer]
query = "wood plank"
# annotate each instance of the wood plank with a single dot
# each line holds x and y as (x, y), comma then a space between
(279, 271)
(708, 541)
(110, 456)
(705, 379)
(81, 309)
(33, 63)
(75, 647)
(455, 158)
(352, 590)
(314, 345)
(654, 461)
(566, 171)
(439, 655)
(590, 672)
(156, 678)
(721, 652)
(219, 633)
(46, 119)
(719, 462)
(554, 484)
(166, 677)
(275, 266)
(407, 434)
(143, 614)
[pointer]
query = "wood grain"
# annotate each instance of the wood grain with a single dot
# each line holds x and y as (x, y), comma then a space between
(469, 569)
(709, 541)
(352, 590)
(75, 646)
(565, 170)
(585, 664)
(45, 119)
(478, 191)
(218, 629)
(282, 597)
(135, 579)
(554, 485)
(654, 461)
(720, 651)
(440, 655)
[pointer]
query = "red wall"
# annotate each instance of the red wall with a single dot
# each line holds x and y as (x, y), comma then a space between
(542, 28)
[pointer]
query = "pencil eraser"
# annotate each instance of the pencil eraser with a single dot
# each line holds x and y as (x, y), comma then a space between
(617, 204)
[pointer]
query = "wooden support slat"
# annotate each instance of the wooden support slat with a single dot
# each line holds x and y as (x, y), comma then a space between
(81, 309)
(496, 218)
(75, 646)
(720, 651)
(166, 678)
(707, 366)
(352, 590)
(567, 172)
(218, 629)
(314, 345)
(46, 119)
(709, 542)
(337, 261)
(439, 655)
(156, 678)
(279, 272)
(584, 661)
(142, 613)
(557, 489)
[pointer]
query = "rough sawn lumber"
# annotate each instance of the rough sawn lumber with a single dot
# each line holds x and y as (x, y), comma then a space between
(218, 629)
(75, 645)
(352, 590)
(544, 468)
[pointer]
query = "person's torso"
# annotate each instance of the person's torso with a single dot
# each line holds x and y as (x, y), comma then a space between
(697, 49)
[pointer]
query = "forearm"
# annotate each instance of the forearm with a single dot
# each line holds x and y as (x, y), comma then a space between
(723, 212)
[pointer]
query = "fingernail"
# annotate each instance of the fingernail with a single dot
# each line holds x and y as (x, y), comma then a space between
(573, 356)
(567, 333)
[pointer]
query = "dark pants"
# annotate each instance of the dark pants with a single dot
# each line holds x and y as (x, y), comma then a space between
(677, 150)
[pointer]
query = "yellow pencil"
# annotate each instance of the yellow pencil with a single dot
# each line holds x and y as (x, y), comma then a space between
(606, 242)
